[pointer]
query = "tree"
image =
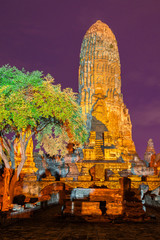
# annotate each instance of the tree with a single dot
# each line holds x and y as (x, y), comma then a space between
(31, 103)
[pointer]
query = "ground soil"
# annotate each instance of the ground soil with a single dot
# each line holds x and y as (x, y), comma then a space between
(47, 224)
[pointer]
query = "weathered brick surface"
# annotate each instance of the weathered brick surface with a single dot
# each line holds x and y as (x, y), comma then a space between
(107, 195)
(91, 208)
(114, 208)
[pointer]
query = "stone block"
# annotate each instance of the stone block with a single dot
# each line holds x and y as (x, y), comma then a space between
(30, 178)
(72, 207)
(114, 178)
(99, 172)
(17, 208)
(84, 178)
(125, 183)
(156, 191)
(108, 195)
(114, 208)
(68, 179)
(29, 205)
(91, 208)
(154, 178)
(80, 193)
(134, 209)
(49, 179)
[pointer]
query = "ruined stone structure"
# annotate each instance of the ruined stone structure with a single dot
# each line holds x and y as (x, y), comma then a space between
(110, 152)
(101, 100)
(95, 177)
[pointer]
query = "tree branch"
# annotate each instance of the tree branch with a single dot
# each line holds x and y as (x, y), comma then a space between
(4, 157)
(30, 136)
(15, 145)
(24, 137)
(23, 156)
(6, 144)
(46, 123)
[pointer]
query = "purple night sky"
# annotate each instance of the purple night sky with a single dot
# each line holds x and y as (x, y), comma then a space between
(47, 35)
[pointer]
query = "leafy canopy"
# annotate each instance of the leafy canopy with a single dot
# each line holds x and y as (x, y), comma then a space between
(13, 79)
(31, 100)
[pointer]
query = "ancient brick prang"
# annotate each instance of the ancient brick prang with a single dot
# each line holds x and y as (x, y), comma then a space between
(101, 99)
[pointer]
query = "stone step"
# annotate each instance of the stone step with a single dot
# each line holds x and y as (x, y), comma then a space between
(99, 152)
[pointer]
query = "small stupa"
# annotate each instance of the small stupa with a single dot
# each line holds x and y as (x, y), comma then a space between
(149, 151)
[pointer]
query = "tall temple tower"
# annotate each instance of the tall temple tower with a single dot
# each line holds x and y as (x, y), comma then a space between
(101, 99)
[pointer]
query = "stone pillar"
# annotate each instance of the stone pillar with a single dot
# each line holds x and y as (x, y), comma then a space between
(125, 184)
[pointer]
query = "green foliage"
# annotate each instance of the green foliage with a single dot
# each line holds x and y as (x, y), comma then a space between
(16, 79)
(28, 100)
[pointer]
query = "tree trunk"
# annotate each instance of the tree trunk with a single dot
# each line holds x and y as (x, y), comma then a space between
(6, 192)
(9, 183)
(12, 186)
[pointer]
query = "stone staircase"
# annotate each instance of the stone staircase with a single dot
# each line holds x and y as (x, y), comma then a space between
(98, 149)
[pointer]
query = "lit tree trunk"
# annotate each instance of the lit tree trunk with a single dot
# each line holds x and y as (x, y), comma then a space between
(10, 179)
(12, 186)
(6, 193)
(23, 159)
(11, 176)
